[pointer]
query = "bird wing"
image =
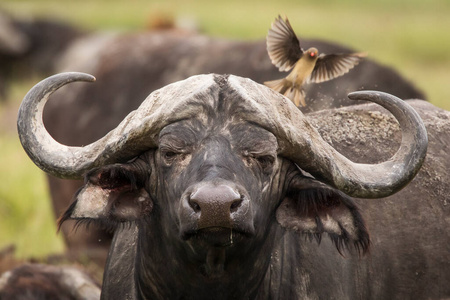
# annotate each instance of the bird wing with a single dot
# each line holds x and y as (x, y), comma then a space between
(333, 65)
(282, 45)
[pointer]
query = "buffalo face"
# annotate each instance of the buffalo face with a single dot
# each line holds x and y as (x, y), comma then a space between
(217, 179)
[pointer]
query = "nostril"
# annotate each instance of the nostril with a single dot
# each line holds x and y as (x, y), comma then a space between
(194, 205)
(235, 205)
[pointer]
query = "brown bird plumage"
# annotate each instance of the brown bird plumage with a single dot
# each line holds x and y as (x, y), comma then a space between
(308, 66)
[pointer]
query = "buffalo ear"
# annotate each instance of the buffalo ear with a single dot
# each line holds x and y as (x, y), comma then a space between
(313, 208)
(111, 195)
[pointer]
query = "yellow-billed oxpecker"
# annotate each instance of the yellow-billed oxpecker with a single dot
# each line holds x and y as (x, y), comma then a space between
(308, 66)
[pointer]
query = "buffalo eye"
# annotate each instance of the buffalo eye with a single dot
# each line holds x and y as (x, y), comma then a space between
(170, 155)
(265, 161)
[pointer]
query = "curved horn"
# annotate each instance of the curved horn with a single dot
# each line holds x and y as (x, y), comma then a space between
(301, 143)
(371, 180)
(408, 159)
(43, 150)
(138, 132)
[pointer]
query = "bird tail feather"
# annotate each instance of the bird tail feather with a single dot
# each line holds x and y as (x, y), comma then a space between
(284, 87)
(279, 85)
(297, 95)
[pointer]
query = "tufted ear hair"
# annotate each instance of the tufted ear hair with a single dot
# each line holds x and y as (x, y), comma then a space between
(112, 195)
(313, 208)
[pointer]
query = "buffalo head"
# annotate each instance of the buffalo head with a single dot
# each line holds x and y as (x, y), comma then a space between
(205, 168)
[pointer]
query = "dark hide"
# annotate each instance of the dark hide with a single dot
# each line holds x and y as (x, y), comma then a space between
(129, 67)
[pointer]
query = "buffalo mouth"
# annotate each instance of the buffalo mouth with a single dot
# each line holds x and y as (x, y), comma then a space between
(216, 236)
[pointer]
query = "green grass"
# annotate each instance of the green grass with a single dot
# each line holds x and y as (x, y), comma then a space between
(411, 36)
(26, 216)
(25, 213)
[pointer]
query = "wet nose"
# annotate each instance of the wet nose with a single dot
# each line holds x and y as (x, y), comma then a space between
(215, 204)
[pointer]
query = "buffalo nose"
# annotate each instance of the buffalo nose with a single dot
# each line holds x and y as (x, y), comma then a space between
(215, 204)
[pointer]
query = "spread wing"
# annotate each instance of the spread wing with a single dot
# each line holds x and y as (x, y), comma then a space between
(333, 65)
(282, 45)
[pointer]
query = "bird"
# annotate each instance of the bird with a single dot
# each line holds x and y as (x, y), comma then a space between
(308, 66)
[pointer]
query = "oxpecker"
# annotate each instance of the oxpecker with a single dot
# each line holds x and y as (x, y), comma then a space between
(308, 66)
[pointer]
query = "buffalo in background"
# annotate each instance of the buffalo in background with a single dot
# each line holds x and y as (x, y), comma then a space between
(31, 47)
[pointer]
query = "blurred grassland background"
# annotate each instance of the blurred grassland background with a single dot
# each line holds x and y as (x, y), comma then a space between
(412, 36)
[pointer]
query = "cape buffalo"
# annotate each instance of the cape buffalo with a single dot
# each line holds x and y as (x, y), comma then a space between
(210, 181)
(30, 46)
(131, 66)
(47, 282)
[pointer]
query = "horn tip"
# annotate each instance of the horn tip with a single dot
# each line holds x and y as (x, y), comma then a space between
(85, 77)
(75, 76)
(363, 95)
(354, 95)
